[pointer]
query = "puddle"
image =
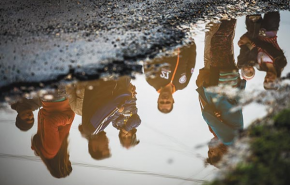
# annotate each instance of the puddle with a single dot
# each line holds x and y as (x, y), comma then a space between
(148, 128)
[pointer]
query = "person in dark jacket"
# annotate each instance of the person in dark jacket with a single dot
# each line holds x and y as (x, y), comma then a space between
(170, 74)
(220, 70)
(103, 103)
(259, 48)
(25, 108)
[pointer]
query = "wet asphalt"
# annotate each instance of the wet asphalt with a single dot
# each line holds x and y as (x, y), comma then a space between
(43, 43)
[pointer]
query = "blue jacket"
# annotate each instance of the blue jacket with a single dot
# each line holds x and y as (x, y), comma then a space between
(101, 104)
(230, 123)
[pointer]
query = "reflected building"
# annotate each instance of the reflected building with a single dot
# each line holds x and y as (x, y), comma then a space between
(259, 48)
(106, 101)
(169, 74)
(50, 142)
(220, 70)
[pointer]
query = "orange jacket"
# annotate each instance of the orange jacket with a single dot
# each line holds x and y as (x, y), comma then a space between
(54, 122)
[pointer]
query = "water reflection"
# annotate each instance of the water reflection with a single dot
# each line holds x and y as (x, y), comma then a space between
(113, 101)
(219, 70)
(260, 49)
(101, 102)
(24, 108)
(170, 74)
(50, 142)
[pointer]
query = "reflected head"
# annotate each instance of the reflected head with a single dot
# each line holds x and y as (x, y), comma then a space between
(24, 120)
(216, 150)
(271, 85)
(99, 146)
(128, 139)
(271, 81)
(248, 72)
(165, 102)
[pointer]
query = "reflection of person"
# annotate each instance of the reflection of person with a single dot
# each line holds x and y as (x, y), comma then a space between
(259, 48)
(220, 69)
(75, 94)
(105, 102)
(127, 127)
(169, 74)
(50, 142)
(216, 150)
(219, 66)
(24, 108)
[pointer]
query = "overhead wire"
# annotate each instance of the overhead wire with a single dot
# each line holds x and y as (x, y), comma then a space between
(138, 172)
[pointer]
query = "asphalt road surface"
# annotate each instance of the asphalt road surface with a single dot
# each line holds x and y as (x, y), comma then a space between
(44, 42)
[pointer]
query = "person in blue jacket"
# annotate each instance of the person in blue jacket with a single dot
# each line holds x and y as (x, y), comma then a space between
(220, 70)
(105, 102)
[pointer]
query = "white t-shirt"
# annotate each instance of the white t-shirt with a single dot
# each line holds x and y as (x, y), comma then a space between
(263, 57)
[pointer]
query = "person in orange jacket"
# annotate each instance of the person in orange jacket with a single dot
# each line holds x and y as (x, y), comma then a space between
(169, 74)
(50, 142)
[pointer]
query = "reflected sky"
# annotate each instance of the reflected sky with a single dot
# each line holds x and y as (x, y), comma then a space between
(173, 147)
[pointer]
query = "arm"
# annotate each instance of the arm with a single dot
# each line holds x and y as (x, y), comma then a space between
(203, 77)
(224, 132)
(55, 128)
(76, 98)
(64, 130)
(191, 60)
(253, 25)
(187, 60)
(244, 40)
(203, 104)
(62, 118)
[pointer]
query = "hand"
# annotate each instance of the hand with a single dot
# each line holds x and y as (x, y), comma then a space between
(121, 109)
(218, 115)
(203, 77)
(132, 89)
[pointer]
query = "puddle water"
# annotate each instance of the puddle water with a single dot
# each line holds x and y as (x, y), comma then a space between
(166, 126)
